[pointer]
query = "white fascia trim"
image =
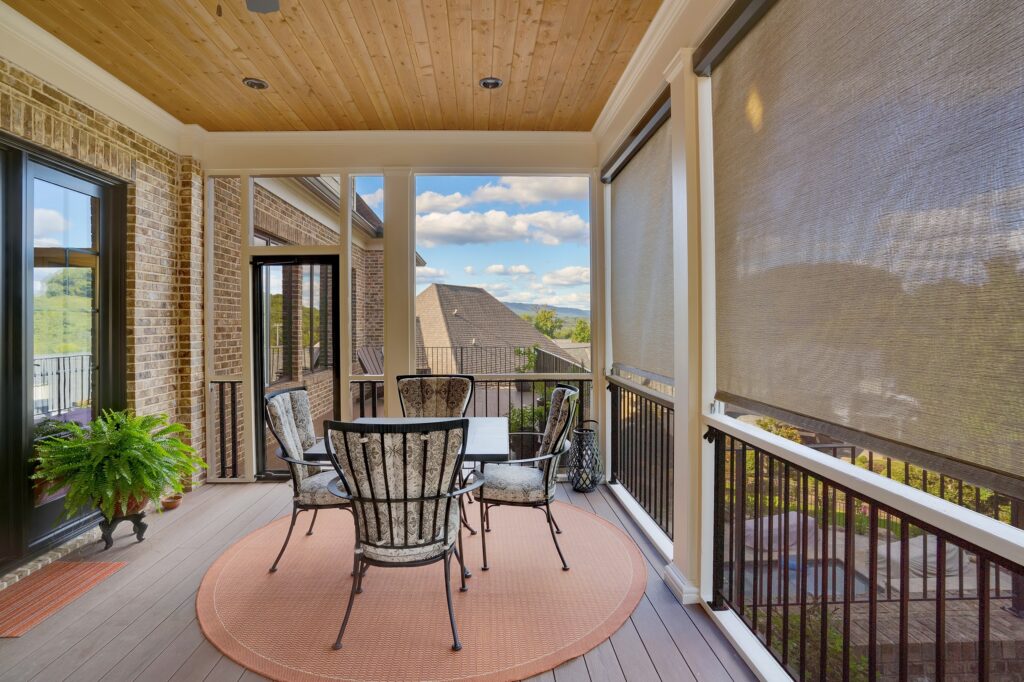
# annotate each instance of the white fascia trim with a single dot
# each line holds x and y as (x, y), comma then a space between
(661, 541)
(997, 537)
(31, 48)
(760, 660)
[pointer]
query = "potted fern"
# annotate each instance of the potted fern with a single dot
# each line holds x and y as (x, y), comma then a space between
(118, 463)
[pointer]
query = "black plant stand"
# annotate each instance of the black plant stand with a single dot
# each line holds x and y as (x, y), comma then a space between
(107, 528)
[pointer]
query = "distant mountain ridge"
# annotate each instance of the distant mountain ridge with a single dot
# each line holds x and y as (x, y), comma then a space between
(532, 308)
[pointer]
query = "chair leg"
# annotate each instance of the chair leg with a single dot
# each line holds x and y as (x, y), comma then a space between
(357, 571)
(463, 571)
(483, 536)
(557, 529)
(457, 645)
(551, 527)
(487, 516)
(464, 518)
(291, 527)
(310, 531)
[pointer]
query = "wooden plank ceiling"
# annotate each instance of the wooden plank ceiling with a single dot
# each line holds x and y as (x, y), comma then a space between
(360, 64)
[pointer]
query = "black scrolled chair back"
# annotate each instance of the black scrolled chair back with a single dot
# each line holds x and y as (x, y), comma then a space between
(400, 478)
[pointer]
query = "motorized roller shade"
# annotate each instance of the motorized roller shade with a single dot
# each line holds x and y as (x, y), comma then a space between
(641, 262)
(869, 225)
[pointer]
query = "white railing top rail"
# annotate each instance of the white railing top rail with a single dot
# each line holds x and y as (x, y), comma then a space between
(987, 533)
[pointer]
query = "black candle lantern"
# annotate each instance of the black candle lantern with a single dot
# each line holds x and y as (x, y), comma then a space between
(585, 471)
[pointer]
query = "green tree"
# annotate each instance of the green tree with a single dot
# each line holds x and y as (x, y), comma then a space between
(70, 282)
(547, 322)
(772, 425)
(581, 331)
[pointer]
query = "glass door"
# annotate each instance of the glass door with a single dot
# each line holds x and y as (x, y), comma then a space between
(295, 343)
(63, 315)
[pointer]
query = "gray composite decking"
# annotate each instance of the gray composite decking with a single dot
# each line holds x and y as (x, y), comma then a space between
(140, 624)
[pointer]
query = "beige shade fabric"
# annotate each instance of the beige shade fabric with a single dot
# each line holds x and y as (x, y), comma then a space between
(869, 220)
(641, 254)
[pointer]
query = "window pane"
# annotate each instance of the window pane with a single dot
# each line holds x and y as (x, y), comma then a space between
(63, 218)
(64, 328)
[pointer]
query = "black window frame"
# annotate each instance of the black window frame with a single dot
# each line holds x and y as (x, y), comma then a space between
(27, 532)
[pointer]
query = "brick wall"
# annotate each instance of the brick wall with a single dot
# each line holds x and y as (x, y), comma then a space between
(164, 237)
(367, 301)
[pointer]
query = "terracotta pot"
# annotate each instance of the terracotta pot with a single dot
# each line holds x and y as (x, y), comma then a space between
(171, 501)
(135, 505)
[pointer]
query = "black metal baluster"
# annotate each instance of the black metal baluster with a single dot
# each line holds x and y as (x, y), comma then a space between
(904, 655)
(823, 632)
(984, 611)
(873, 594)
(940, 608)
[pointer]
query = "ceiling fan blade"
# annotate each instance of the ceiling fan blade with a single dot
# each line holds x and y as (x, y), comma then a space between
(263, 6)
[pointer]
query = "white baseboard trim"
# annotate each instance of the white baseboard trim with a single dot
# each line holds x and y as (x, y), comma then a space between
(760, 660)
(685, 591)
(661, 541)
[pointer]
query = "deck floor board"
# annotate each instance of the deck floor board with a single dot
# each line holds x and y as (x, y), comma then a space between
(140, 624)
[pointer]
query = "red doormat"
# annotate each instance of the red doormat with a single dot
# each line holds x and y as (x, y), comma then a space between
(32, 600)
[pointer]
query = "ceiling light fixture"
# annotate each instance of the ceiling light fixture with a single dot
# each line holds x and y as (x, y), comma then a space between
(255, 83)
(490, 83)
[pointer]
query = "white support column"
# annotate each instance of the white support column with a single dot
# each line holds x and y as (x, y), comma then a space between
(399, 282)
(343, 290)
(605, 194)
(245, 276)
(683, 574)
(708, 379)
(598, 296)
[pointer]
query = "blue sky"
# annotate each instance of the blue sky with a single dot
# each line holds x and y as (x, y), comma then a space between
(524, 239)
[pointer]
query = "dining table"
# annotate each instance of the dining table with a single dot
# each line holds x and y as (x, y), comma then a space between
(486, 437)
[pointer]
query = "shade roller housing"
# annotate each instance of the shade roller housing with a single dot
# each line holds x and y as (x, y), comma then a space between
(869, 224)
(641, 261)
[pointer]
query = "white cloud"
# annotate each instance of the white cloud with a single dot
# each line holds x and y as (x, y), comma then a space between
(508, 270)
(496, 288)
(474, 227)
(551, 297)
(374, 199)
(533, 190)
(427, 202)
(470, 270)
(568, 276)
(426, 274)
(51, 223)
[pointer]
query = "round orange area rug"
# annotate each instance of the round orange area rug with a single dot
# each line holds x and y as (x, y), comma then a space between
(522, 617)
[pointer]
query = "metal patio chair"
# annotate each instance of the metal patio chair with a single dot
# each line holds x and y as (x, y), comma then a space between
(401, 481)
(291, 422)
(531, 482)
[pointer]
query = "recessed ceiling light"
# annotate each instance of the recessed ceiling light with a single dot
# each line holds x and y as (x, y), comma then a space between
(255, 83)
(490, 83)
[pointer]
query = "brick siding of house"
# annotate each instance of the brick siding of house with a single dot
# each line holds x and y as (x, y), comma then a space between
(164, 239)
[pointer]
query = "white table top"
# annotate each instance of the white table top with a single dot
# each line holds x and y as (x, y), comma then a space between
(486, 438)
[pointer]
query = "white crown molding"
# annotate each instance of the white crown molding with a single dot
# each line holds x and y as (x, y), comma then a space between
(31, 48)
(682, 60)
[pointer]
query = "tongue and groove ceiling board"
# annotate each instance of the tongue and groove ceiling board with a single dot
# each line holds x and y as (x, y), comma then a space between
(360, 64)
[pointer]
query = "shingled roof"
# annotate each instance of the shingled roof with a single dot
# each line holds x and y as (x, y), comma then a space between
(451, 316)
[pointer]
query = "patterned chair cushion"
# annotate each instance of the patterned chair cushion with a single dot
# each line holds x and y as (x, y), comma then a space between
(399, 467)
(408, 554)
(303, 419)
(555, 430)
(313, 490)
(291, 422)
(434, 396)
(512, 483)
